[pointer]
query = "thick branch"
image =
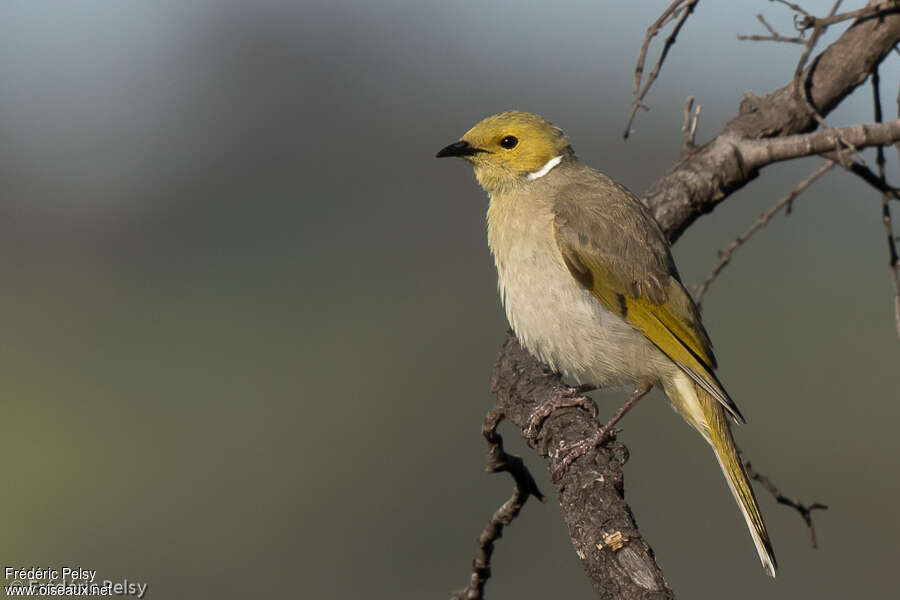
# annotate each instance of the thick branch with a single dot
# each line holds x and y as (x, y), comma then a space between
(591, 491)
(697, 183)
(759, 153)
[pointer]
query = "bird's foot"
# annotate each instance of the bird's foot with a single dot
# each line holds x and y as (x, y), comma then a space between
(570, 398)
(569, 454)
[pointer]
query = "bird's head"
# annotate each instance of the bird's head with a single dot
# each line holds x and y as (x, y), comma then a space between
(510, 149)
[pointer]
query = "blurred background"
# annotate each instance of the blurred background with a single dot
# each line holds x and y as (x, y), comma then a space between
(249, 321)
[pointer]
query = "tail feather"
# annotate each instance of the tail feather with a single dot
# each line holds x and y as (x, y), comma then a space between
(743, 494)
(704, 412)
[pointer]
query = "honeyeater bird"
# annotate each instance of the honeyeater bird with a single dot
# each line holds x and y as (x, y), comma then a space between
(590, 287)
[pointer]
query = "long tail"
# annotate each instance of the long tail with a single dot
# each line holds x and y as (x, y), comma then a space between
(704, 412)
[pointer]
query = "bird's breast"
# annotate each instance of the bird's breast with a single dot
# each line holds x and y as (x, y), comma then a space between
(555, 318)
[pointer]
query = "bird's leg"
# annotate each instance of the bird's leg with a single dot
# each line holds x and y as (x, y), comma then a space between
(584, 388)
(571, 397)
(574, 451)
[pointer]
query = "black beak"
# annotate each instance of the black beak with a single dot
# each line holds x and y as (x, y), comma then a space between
(458, 149)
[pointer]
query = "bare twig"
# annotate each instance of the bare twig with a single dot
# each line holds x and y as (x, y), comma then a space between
(726, 253)
(689, 126)
(773, 37)
(497, 460)
(769, 28)
(755, 37)
(866, 174)
(654, 28)
(805, 510)
(796, 8)
(893, 263)
(684, 8)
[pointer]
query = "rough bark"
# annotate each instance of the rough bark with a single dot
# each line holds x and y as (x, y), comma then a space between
(591, 492)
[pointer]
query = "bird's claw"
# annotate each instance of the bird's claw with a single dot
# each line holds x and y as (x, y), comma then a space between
(572, 452)
(567, 399)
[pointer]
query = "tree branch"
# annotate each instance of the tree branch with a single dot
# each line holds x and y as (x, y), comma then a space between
(682, 7)
(893, 260)
(805, 510)
(758, 153)
(700, 181)
(763, 220)
(591, 490)
(689, 126)
(497, 460)
(773, 36)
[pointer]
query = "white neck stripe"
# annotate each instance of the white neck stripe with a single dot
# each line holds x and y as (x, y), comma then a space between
(546, 168)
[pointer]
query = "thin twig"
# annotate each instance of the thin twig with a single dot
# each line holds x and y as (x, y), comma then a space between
(795, 7)
(651, 33)
(769, 28)
(769, 38)
(805, 510)
(689, 125)
(894, 263)
(866, 174)
(497, 460)
(774, 37)
(684, 8)
(726, 253)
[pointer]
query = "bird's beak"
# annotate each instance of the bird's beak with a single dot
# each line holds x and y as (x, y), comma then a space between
(460, 148)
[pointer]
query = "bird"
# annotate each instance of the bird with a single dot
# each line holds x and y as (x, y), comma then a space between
(590, 288)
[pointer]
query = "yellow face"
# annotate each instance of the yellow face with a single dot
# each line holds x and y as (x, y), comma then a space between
(509, 146)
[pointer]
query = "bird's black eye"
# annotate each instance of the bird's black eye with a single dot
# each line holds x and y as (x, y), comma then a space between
(509, 142)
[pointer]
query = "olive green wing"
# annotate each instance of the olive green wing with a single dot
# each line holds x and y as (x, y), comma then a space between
(614, 248)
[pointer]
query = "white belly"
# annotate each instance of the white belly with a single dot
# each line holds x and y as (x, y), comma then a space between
(559, 321)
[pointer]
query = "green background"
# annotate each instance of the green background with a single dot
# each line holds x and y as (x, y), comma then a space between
(249, 321)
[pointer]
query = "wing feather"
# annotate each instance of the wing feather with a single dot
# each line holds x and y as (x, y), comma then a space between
(613, 247)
